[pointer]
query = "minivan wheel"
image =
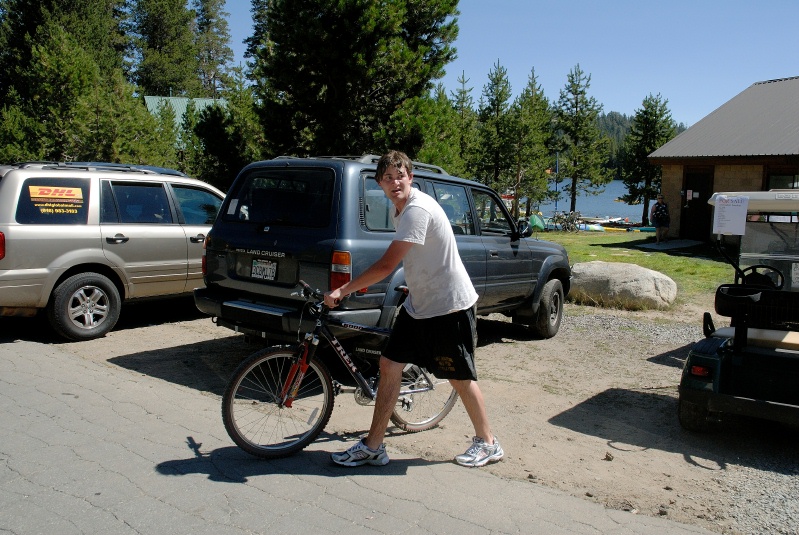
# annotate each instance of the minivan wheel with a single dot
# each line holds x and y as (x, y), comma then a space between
(85, 306)
(550, 310)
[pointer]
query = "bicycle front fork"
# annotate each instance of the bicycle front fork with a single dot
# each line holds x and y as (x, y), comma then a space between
(296, 373)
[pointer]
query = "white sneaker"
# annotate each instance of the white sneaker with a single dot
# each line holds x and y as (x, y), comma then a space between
(359, 454)
(480, 453)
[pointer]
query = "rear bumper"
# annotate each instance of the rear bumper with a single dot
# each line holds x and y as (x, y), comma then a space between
(264, 320)
(755, 408)
(745, 384)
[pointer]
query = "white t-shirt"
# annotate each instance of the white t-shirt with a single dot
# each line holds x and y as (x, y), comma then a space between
(436, 277)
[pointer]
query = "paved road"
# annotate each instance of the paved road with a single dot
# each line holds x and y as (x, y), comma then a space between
(92, 447)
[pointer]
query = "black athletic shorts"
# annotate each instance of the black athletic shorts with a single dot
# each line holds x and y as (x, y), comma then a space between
(444, 345)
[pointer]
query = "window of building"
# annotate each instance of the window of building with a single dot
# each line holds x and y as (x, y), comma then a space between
(782, 178)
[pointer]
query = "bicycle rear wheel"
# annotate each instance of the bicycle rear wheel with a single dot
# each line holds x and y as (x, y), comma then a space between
(250, 406)
(424, 400)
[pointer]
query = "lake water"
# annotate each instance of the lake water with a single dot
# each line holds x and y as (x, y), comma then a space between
(602, 205)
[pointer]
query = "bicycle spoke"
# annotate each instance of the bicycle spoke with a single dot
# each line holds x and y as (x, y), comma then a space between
(252, 408)
(424, 400)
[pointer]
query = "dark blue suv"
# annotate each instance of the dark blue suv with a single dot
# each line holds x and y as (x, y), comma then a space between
(324, 220)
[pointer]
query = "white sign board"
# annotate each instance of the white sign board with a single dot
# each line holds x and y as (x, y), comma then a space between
(730, 215)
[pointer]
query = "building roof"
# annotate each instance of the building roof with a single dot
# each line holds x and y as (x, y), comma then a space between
(763, 120)
(179, 105)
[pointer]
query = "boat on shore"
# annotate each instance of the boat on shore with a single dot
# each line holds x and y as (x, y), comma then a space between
(596, 224)
(604, 220)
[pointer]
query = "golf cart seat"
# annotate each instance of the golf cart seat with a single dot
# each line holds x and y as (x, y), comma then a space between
(759, 316)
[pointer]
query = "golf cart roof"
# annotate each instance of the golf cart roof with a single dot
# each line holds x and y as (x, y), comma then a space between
(775, 200)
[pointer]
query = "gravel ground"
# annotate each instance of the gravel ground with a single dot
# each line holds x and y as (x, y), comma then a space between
(766, 496)
(760, 481)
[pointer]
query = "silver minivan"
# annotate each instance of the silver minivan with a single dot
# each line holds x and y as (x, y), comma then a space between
(78, 239)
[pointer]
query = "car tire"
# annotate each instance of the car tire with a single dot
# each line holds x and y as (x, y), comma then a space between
(84, 306)
(550, 310)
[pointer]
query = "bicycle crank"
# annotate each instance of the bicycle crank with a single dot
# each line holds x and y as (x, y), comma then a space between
(361, 398)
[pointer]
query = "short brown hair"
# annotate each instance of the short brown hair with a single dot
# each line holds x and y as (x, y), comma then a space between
(393, 158)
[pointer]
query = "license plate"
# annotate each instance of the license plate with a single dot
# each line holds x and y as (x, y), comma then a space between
(264, 269)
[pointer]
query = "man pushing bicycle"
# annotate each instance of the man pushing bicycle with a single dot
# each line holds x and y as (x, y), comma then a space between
(436, 326)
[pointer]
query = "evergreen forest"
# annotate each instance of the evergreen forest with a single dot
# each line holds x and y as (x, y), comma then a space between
(74, 74)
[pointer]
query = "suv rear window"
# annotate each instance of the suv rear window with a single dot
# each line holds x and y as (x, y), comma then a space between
(292, 197)
(54, 201)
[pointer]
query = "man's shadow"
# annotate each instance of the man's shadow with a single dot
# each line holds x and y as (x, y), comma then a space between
(233, 465)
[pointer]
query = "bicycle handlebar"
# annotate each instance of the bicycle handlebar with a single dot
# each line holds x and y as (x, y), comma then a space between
(307, 291)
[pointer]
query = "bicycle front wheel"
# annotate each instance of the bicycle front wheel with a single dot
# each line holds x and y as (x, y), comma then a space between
(424, 400)
(253, 415)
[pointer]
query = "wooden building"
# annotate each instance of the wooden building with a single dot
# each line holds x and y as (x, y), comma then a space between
(749, 143)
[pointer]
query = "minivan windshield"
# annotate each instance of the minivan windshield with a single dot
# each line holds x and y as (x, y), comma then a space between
(296, 197)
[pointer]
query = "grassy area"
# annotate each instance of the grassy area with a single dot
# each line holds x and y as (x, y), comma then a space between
(696, 270)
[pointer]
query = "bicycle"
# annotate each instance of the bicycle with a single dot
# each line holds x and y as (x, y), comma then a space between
(280, 398)
(573, 220)
(558, 220)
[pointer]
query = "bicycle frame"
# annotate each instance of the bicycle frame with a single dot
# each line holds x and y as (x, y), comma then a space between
(308, 347)
(310, 344)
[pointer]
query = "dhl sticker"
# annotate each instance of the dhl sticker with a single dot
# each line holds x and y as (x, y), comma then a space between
(48, 192)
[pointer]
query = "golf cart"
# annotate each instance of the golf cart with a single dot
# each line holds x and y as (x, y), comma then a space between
(750, 368)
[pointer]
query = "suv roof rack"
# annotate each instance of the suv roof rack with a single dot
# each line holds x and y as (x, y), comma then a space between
(373, 159)
(106, 166)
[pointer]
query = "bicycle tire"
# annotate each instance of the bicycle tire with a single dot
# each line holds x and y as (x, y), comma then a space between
(253, 419)
(424, 409)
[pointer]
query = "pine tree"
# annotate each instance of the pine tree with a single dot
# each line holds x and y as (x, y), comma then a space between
(74, 112)
(440, 121)
(166, 54)
(95, 25)
(126, 131)
(466, 131)
(213, 51)
(259, 38)
(495, 136)
(652, 126)
(531, 129)
(329, 76)
(60, 75)
(583, 149)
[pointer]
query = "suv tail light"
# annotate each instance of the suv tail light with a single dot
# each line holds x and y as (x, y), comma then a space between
(2, 246)
(340, 269)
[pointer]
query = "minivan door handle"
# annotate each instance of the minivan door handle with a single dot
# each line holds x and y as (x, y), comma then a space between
(197, 239)
(494, 254)
(119, 238)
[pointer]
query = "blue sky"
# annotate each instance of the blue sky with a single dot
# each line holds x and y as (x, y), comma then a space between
(697, 54)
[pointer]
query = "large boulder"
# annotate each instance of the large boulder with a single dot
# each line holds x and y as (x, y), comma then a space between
(621, 285)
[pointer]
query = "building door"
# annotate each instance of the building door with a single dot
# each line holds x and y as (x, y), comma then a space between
(696, 214)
